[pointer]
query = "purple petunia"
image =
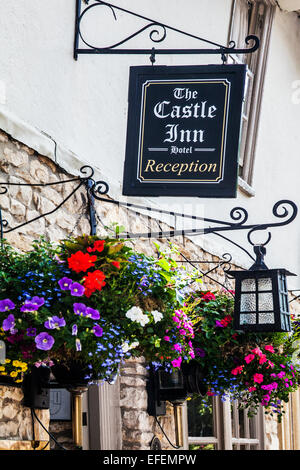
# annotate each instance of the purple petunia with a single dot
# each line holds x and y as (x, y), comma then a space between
(74, 330)
(65, 283)
(77, 289)
(79, 309)
(31, 331)
(33, 304)
(97, 330)
(8, 323)
(44, 341)
(92, 313)
(200, 352)
(54, 323)
(6, 305)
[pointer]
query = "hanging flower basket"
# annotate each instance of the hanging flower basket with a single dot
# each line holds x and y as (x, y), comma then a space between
(256, 369)
(84, 306)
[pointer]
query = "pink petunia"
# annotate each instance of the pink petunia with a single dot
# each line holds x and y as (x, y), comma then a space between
(249, 358)
(262, 359)
(177, 362)
(281, 374)
(269, 348)
(257, 351)
(258, 378)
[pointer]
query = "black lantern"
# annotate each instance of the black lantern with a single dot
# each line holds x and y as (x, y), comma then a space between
(174, 387)
(261, 297)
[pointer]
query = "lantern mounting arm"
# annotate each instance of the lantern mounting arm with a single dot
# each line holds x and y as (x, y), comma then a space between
(98, 190)
(283, 209)
(157, 34)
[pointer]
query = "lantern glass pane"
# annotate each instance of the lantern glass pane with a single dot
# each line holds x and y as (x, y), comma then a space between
(248, 285)
(247, 319)
(265, 301)
(264, 283)
(248, 303)
(266, 317)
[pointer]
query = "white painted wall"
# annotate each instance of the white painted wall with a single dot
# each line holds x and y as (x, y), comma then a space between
(83, 104)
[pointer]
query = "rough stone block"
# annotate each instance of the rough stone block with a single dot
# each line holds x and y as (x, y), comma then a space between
(16, 158)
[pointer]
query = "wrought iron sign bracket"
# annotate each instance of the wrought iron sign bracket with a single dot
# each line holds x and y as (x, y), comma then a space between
(96, 190)
(158, 32)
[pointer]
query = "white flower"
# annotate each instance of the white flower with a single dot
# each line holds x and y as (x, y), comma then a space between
(126, 347)
(143, 320)
(136, 314)
(157, 315)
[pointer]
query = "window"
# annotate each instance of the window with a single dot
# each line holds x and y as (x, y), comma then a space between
(251, 17)
(214, 424)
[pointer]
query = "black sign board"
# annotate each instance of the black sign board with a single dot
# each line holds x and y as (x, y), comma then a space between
(183, 130)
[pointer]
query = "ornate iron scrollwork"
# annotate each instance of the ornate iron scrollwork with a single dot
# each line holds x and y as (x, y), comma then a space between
(158, 32)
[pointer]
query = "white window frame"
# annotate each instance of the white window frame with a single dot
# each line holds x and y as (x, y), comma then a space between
(256, 72)
(226, 428)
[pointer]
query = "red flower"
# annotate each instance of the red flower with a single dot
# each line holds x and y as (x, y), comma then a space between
(98, 246)
(80, 261)
(93, 281)
(237, 370)
(208, 296)
(116, 264)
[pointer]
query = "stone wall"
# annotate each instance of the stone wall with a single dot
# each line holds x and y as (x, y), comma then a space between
(20, 164)
(18, 429)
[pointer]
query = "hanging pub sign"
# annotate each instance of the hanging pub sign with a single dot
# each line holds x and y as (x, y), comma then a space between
(183, 130)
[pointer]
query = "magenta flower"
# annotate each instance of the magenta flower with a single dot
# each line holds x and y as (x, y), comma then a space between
(269, 348)
(265, 400)
(258, 378)
(249, 358)
(218, 323)
(44, 341)
(97, 330)
(262, 359)
(65, 283)
(191, 353)
(167, 338)
(177, 347)
(6, 305)
(77, 289)
(8, 323)
(177, 362)
(281, 375)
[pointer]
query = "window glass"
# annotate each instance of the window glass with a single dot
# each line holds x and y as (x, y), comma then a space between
(200, 417)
